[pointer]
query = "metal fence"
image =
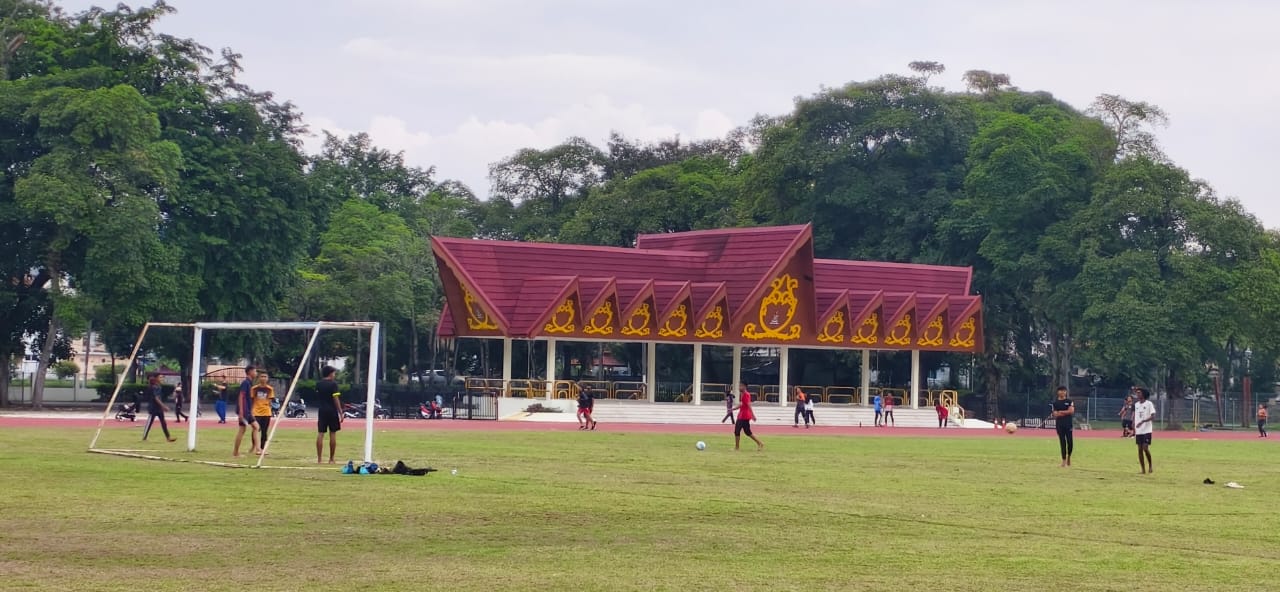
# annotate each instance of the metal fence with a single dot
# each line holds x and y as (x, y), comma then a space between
(1190, 411)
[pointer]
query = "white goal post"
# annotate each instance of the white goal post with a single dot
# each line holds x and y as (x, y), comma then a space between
(197, 364)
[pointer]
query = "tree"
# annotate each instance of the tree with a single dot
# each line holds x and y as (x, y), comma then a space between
(534, 190)
(927, 69)
(984, 82)
(1131, 122)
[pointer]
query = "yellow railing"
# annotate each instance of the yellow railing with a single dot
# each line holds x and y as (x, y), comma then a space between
(714, 391)
(630, 390)
(842, 395)
(815, 392)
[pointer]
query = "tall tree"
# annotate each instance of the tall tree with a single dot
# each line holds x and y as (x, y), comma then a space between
(1132, 123)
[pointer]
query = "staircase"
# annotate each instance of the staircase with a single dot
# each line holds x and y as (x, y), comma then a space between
(767, 414)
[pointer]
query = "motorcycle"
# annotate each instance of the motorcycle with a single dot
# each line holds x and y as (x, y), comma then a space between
(275, 407)
(353, 410)
(379, 411)
(429, 411)
(129, 412)
(296, 409)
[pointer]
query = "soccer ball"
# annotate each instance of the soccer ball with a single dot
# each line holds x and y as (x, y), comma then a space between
(701, 445)
(1011, 427)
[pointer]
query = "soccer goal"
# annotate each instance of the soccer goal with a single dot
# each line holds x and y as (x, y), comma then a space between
(197, 365)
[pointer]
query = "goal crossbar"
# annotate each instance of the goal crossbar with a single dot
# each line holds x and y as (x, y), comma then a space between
(197, 354)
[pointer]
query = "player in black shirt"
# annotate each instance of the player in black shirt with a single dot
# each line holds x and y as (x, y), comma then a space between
(1063, 410)
(330, 416)
(585, 405)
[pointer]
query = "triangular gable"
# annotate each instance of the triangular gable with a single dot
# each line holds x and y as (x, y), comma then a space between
(834, 322)
(965, 330)
(550, 305)
(674, 320)
(602, 320)
(933, 321)
(899, 329)
(473, 310)
(637, 318)
(865, 326)
(712, 316)
(445, 328)
(767, 284)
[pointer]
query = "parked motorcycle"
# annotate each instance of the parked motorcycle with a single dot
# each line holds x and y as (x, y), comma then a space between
(129, 412)
(429, 411)
(353, 410)
(296, 408)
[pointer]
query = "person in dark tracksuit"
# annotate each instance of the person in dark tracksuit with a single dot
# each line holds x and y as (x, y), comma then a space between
(1063, 414)
(728, 404)
(156, 407)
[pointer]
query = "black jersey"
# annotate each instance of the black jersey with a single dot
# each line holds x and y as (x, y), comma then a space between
(1063, 422)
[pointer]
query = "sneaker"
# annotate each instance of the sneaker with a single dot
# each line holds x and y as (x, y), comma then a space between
(173, 439)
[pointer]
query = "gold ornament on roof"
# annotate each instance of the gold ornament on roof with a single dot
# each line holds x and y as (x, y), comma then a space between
(477, 318)
(833, 331)
(901, 332)
(869, 332)
(964, 335)
(605, 327)
(777, 326)
(932, 335)
(562, 319)
(680, 330)
(638, 324)
(715, 331)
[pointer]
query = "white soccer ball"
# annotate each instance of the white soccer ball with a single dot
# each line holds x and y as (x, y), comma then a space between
(1011, 428)
(454, 472)
(701, 445)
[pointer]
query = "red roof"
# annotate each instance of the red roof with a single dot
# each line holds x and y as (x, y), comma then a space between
(521, 285)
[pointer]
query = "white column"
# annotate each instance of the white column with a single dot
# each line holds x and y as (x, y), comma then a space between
(506, 366)
(915, 379)
(737, 368)
(865, 389)
(194, 395)
(651, 370)
(784, 368)
(697, 374)
(551, 368)
(371, 390)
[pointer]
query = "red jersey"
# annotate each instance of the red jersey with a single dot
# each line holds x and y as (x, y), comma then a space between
(744, 412)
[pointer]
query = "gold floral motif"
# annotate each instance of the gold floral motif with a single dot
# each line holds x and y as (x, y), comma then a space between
(714, 331)
(869, 332)
(640, 328)
(932, 335)
(833, 331)
(968, 330)
(606, 328)
(901, 332)
(679, 330)
(555, 325)
(771, 327)
(477, 318)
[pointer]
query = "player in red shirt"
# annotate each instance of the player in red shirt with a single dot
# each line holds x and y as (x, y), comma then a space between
(745, 416)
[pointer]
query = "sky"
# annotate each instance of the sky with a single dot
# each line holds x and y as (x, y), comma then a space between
(460, 84)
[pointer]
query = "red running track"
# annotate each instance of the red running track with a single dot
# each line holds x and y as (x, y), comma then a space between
(446, 425)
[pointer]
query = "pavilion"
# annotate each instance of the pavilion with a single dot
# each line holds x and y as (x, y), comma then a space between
(754, 287)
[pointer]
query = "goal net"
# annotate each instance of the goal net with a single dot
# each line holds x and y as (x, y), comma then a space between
(114, 444)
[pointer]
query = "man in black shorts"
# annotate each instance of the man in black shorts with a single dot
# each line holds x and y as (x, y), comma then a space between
(1144, 414)
(586, 404)
(244, 412)
(1063, 415)
(330, 416)
(743, 425)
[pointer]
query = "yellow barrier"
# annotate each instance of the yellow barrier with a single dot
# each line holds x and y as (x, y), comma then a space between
(809, 391)
(714, 391)
(564, 389)
(841, 395)
(769, 393)
(599, 389)
(631, 390)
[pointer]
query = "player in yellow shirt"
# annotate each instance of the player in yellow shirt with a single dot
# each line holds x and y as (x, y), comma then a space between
(262, 395)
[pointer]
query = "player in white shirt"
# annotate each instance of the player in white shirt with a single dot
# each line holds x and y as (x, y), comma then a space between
(1144, 415)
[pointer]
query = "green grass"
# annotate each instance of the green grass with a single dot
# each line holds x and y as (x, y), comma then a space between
(616, 511)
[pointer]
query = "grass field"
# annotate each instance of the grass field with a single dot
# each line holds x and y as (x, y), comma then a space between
(641, 511)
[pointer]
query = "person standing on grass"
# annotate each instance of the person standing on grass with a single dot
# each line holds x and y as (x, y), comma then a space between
(329, 419)
(220, 401)
(728, 404)
(799, 396)
(1262, 421)
(178, 401)
(262, 395)
(244, 412)
(156, 408)
(876, 403)
(1063, 414)
(888, 411)
(1144, 414)
(1126, 417)
(743, 425)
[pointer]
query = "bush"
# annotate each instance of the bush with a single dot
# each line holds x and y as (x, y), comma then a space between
(65, 369)
(538, 408)
(104, 374)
